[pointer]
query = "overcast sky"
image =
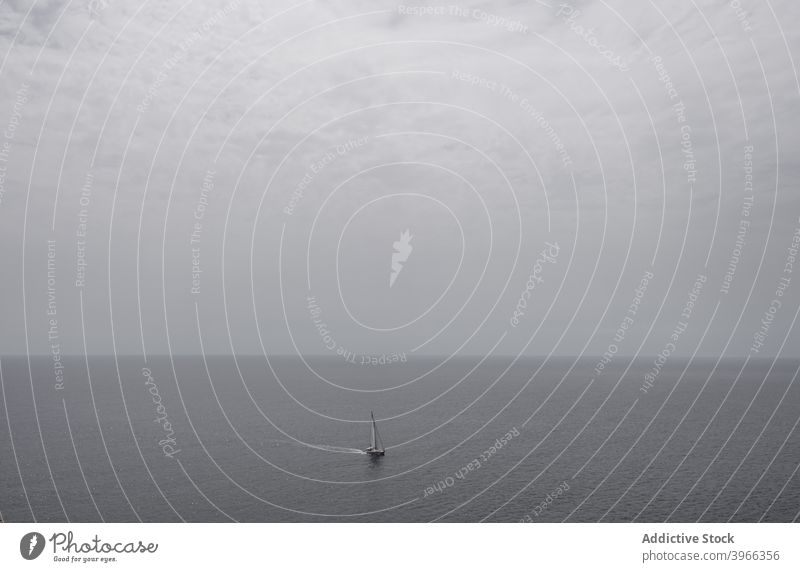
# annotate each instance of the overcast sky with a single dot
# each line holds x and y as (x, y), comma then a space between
(544, 157)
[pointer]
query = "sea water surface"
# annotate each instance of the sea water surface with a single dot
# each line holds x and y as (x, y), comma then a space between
(468, 439)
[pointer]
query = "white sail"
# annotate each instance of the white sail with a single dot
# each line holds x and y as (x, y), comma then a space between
(376, 437)
(376, 445)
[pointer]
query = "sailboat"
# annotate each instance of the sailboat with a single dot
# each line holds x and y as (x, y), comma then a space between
(376, 447)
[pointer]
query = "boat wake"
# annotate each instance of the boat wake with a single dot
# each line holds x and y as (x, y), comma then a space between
(334, 449)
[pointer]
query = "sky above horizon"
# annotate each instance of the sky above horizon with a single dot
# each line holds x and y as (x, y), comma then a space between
(372, 178)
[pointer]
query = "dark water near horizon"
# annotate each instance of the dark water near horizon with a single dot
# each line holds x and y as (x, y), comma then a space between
(245, 443)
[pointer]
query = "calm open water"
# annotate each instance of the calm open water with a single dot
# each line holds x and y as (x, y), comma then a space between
(234, 440)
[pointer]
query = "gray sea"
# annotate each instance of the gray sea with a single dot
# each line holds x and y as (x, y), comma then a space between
(468, 439)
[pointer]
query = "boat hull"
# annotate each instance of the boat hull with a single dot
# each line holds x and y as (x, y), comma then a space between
(375, 453)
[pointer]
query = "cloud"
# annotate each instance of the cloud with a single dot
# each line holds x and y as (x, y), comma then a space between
(148, 97)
